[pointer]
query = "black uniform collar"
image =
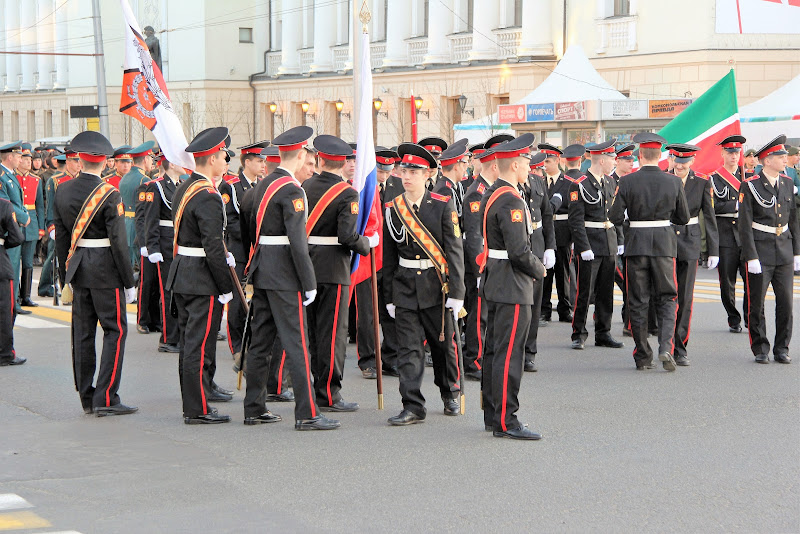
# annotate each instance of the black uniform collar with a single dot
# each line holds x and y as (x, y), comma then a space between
(330, 176)
(246, 183)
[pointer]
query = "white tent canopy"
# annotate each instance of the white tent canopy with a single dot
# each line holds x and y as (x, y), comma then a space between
(775, 114)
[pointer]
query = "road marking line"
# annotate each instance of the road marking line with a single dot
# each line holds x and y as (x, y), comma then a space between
(34, 323)
(12, 501)
(22, 520)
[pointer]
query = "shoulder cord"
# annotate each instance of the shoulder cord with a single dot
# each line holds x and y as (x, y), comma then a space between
(759, 198)
(587, 197)
(398, 235)
(167, 203)
(719, 194)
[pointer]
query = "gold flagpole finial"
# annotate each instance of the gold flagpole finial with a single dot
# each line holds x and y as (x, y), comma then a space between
(364, 15)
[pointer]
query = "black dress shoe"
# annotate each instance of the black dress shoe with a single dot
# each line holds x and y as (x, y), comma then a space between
(644, 366)
(319, 422)
(428, 360)
(369, 373)
(142, 329)
(517, 433)
(652, 333)
(221, 336)
(18, 360)
(737, 329)
(530, 365)
(88, 410)
(565, 319)
(216, 396)
(488, 428)
(608, 341)
(682, 360)
(286, 396)
(405, 418)
(782, 358)
(390, 371)
(218, 389)
(451, 407)
(762, 358)
(117, 409)
(340, 406)
(27, 302)
(167, 347)
(266, 417)
(626, 332)
(208, 419)
(20, 311)
(475, 376)
(667, 361)
(47, 293)
(543, 322)
(577, 344)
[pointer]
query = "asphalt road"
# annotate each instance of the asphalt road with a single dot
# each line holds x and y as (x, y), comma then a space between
(712, 447)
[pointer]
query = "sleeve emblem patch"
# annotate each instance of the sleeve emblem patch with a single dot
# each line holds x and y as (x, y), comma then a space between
(741, 198)
(298, 204)
(354, 208)
(141, 196)
(14, 216)
(150, 197)
(573, 196)
(516, 216)
(474, 207)
(226, 198)
(121, 209)
(454, 217)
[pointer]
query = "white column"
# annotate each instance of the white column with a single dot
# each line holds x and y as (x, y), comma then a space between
(484, 20)
(324, 37)
(398, 29)
(290, 37)
(537, 34)
(13, 61)
(2, 47)
(27, 19)
(44, 38)
(61, 45)
(440, 24)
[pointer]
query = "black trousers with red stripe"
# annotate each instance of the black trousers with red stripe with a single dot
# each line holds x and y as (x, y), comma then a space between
(596, 278)
(89, 306)
(279, 314)
(170, 333)
(198, 317)
(651, 285)
(686, 275)
(474, 324)
(7, 317)
(619, 279)
(414, 326)
(327, 331)
(148, 307)
(277, 376)
(563, 272)
(533, 332)
(503, 362)
(236, 316)
(731, 262)
(365, 329)
(782, 279)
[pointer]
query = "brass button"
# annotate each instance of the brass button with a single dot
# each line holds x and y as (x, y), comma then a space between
(678, 232)
(417, 257)
(779, 205)
(419, 272)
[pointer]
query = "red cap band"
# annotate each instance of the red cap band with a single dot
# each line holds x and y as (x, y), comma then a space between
(487, 157)
(415, 160)
(573, 159)
(515, 154)
(71, 154)
(289, 148)
(433, 148)
(625, 154)
(91, 158)
(331, 157)
(274, 159)
(478, 151)
(552, 152)
(446, 162)
(651, 144)
(606, 150)
(252, 150)
(384, 161)
(537, 165)
(123, 157)
(682, 154)
(770, 150)
(210, 151)
(731, 145)
(146, 152)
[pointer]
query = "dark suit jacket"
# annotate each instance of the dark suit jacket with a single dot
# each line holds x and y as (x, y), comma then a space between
(536, 196)
(473, 224)
(768, 248)
(726, 200)
(158, 207)
(698, 198)
(590, 200)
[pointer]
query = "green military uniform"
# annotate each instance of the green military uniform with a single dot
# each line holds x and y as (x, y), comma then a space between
(46, 278)
(12, 191)
(129, 187)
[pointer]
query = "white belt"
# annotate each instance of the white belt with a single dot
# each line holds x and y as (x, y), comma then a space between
(94, 243)
(416, 264)
(596, 224)
(649, 224)
(273, 240)
(693, 220)
(165, 222)
(561, 217)
(729, 215)
(770, 229)
(196, 252)
(498, 254)
(322, 240)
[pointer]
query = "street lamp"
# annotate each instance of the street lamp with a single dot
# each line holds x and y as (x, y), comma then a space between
(462, 103)
(377, 103)
(418, 106)
(304, 105)
(273, 107)
(339, 107)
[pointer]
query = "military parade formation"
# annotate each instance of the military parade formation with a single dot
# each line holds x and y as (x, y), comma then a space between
(472, 241)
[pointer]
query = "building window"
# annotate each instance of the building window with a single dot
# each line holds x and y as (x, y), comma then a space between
(2, 127)
(31, 125)
(622, 8)
(48, 123)
(15, 125)
(245, 35)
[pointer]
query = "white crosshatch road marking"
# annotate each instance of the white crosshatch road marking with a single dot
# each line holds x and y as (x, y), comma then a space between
(12, 501)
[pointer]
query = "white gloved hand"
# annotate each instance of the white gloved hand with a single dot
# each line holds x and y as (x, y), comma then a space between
(52, 234)
(455, 305)
(226, 298)
(230, 260)
(754, 266)
(374, 240)
(620, 250)
(587, 255)
(713, 261)
(391, 309)
(130, 294)
(797, 263)
(549, 258)
(310, 296)
(143, 251)
(155, 257)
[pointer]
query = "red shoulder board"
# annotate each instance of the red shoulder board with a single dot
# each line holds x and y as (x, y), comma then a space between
(751, 178)
(387, 205)
(579, 180)
(449, 185)
(784, 175)
(701, 175)
(157, 179)
(481, 188)
(440, 198)
(231, 178)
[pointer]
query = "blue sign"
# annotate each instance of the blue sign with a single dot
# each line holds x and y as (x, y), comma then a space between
(540, 112)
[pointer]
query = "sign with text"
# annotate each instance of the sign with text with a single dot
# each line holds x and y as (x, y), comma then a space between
(667, 109)
(624, 109)
(570, 111)
(510, 113)
(539, 112)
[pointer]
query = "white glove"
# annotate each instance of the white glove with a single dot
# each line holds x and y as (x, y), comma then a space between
(455, 305)
(230, 260)
(226, 298)
(374, 240)
(310, 296)
(52, 234)
(391, 309)
(130, 294)
(754, 266)
(713, 261)
(587, 255)
(155, 257)
(549, 259)
(797, 263)
(143, 251)
(620, 250)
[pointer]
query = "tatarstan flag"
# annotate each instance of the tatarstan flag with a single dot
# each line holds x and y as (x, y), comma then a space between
(708, 120)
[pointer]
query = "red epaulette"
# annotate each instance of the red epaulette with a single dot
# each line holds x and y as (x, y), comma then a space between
(449, 185)
(784, 176)
(231, 179)
(750, 178)
(481, 188)
(578, 180)
(440, 198)
(387, 205)
(157, 179)
(701, 175)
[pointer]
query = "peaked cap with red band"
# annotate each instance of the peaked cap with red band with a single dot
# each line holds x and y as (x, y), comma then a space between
(625, 151)
(477, 150)
(209, 141)
(454, 152)
(649, 140)
(415, 156)
(537, 160)
(331, 148)
(496, 140)
(434, 145)
(254, 149)
(733, 143)
(385, 158)
(92, 146)
(272, 154)
(521, 146)
(574, 152)
(550, 150)
(776, 147)
(142, 150)
(293, 139)
(683, 152)
(606, 147)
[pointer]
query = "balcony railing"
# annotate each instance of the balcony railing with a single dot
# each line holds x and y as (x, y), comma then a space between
(508, 40)
(617, 34)
(460, 45)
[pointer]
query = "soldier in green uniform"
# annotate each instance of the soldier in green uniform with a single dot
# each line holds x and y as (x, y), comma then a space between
(129, 188)
(33, 198)
(68, 166)
(10, 190)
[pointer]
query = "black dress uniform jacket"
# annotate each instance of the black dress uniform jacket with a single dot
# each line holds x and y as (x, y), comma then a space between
(726, 200)
(417, 290)
(107, 267)
(590, 200)
(473, 224)
(543, 236)
(159, 237)
(12, 235)
(562, 186)
(446, 187)
(698, 197)
(761, 203)
(201, 226)
(233, 236)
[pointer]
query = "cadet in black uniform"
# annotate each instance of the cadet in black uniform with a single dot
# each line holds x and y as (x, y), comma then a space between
(282, 275)
(653, 200)
(434, 145)
(596, 248)
(449, 182)
(770, 238)
(423, 266)
(332, 235)
(624, 165)
(509, 269)
(10, 236)
(89, 219)
(725, 183)
(697, 189)
(199, 278)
